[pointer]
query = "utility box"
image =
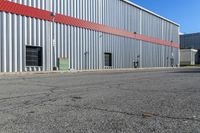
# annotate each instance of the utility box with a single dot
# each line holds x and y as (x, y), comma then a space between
(63, 64)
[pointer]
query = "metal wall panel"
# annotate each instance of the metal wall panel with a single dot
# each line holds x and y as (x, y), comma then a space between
(189, 41)
(85, 48)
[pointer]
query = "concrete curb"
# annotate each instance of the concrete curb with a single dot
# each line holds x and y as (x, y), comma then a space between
(134, 69)
(81, 71)
(95, 70)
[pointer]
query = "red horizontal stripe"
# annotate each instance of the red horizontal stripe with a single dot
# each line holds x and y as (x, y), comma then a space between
(28, 11)
(24, 10)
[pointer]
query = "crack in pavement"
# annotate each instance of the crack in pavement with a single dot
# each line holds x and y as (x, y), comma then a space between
(132, 114)
(16, 97)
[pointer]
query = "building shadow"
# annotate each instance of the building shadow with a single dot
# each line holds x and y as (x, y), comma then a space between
(191, 70)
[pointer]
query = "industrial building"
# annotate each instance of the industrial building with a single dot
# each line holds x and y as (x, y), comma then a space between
(190, 42)
(46, 35)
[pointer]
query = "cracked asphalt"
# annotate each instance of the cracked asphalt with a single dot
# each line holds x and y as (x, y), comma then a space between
(145, 101)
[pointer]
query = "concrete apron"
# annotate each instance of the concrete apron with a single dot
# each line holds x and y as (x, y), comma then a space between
(95, 70)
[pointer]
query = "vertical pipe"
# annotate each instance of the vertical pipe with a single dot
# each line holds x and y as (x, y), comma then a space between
(1, 38)
(15, 44)
(10, 40)
(4, 42)
(141, 52)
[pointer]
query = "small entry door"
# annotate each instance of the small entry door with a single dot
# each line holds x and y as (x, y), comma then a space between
(108, 59)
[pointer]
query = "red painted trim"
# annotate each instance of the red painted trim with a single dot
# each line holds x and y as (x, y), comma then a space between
(28, 11)
(24, 10)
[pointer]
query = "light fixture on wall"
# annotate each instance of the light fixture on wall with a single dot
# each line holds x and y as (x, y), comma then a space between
(53, 14)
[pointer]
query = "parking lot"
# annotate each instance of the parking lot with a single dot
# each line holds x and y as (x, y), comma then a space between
(144, 101)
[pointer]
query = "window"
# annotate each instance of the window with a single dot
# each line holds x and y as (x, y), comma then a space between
(33, 56)
(108, 59)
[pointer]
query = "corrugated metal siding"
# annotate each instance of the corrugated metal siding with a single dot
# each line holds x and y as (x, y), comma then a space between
(85, 48)
(190, 41)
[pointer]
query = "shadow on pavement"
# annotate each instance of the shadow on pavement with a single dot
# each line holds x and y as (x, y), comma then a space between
(188, 71)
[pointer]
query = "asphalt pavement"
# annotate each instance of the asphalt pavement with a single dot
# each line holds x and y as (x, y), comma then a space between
(145, 101)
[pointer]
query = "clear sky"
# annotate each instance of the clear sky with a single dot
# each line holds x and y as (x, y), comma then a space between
(184, 12)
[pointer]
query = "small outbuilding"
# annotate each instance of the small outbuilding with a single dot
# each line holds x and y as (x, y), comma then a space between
(189, 57)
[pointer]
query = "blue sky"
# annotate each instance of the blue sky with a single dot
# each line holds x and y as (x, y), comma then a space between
(184, 12)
